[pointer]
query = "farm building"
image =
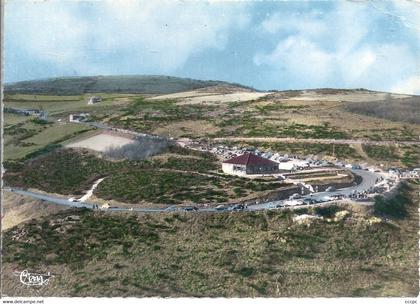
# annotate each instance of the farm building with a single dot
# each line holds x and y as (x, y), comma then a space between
(78, 117)
(26, 112)
(94, 99)
(249, 163)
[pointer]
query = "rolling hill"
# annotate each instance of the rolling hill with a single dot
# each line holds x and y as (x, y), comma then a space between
(145, 84)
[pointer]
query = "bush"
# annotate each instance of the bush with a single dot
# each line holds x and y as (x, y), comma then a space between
(142, 148)
(395, 206)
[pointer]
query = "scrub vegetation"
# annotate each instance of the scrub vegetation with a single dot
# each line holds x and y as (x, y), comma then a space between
(180, 176)
(258, 254)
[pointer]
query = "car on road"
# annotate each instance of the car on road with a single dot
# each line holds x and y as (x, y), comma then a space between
(309, 201)
(325, 199)
(190, 208)
(237, 207)
(171, 208)
(331, 189)
(295, 196)
(222, 207)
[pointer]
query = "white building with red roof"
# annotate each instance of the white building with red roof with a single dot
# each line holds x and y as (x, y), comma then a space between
(249, 163)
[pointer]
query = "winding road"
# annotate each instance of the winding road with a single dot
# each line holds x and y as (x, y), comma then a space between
(368, 180)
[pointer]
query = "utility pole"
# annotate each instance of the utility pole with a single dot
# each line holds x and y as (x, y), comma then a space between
(333, 150)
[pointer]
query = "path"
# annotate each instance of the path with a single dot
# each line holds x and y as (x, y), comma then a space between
(315, 140)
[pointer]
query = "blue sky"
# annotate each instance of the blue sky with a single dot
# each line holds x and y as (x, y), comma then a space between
(267, 45)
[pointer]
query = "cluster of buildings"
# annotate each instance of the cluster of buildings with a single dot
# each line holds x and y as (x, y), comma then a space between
(27, 112)
(249, 160)
(415, 173)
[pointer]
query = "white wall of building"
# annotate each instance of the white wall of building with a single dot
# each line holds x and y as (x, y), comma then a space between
(230, 169)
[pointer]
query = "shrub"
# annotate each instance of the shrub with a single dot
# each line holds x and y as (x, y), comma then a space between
(394, 206)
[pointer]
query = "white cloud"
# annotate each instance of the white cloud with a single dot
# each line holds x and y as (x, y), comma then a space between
(300, 59)
(45, 30)
(335, 48)
(407, 12)
(410, 85)
(153, 35)
(308, 23)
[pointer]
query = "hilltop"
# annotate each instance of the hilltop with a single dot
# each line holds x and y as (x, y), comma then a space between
(136, 84)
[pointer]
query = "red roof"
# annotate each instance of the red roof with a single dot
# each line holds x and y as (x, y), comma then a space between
(250, 159)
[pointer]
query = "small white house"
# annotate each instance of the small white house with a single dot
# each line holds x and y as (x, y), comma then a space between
(94, 99)
(78, 117)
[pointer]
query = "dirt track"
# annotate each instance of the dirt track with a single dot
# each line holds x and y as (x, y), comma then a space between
(316, 140)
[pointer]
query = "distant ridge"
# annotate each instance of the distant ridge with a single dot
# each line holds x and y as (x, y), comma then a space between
(145, 84)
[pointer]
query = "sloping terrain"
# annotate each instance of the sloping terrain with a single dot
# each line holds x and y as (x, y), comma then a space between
(330, 251)
(234, 114)
(180, 176)
(401, 109)
(340, 95)
(140, 84)
(18, 209)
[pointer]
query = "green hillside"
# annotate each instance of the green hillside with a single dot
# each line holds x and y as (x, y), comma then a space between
(144, 84)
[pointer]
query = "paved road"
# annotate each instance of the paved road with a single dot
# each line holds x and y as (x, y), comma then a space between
(368, 180)
(65, 202)
(316, 140)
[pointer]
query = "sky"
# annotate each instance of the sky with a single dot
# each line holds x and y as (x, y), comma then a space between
(264, 44)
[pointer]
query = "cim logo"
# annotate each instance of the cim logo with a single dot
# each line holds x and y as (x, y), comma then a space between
(34, 279)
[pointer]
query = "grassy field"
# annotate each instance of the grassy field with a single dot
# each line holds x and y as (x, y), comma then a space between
(274, 115)
(258, 254)
(60, 106)
(29, 136)
(23, 135)
(381, 152)
(402, 155)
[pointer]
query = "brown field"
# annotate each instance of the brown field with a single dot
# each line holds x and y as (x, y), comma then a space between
(18, 209)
